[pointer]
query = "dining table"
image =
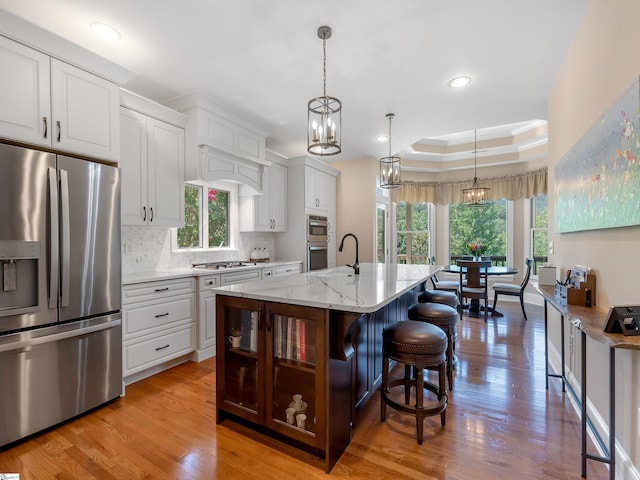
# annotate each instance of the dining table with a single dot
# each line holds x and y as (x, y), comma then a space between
(474, 308)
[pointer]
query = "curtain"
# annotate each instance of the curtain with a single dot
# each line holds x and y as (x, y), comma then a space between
(513, 187)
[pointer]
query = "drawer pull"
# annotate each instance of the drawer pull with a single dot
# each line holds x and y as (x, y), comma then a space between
(162, 348)
(162, 315)
(161, 289)
(210, 282)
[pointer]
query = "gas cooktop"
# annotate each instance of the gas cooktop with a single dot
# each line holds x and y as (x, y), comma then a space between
(223, 265)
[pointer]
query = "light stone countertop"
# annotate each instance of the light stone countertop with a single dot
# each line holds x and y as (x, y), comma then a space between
(150, 276)
(338, 288)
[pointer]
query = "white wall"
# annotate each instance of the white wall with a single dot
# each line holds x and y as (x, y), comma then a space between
(356, 208)
(604, 60)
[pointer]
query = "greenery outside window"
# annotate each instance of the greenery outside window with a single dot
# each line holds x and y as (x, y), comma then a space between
(412, 233)
(539, 231)
(207, 218)
(487, 225)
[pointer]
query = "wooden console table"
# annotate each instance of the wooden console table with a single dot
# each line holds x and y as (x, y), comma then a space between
(590, 322)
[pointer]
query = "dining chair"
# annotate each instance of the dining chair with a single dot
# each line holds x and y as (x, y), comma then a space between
(514, 290)
(446, 285)
(474, 284)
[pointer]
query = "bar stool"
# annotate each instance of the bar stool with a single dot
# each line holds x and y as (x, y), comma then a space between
(446, 318)
(439, 296)
(419, 345)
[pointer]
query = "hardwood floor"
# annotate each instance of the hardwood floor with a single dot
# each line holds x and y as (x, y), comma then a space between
(501, 424)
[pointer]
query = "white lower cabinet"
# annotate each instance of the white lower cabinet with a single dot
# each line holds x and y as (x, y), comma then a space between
(159, 326)
(206, 317)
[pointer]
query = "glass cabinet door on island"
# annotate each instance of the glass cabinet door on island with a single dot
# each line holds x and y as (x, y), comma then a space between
(295, 376)
(271, 366)
(240, 343)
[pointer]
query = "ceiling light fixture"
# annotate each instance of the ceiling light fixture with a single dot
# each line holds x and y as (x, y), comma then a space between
(324, 114)
(105, 31)
(459, 82)
(390, 166)
(476, 196)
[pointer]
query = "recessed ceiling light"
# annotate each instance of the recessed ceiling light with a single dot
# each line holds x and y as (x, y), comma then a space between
(382, 138)
(105, 31)
(459, 82)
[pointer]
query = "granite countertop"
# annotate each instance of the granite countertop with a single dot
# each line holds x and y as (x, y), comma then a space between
(151, 276)
(338, 288)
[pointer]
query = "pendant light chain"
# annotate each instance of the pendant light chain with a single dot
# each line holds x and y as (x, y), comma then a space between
(324, 66)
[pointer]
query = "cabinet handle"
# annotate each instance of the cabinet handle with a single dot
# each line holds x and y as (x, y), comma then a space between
(59, 129)
(46, 129)
(162, 348)
(151, 219)
(210, 282)
(144, 210)
(161, 289)
(162, 315)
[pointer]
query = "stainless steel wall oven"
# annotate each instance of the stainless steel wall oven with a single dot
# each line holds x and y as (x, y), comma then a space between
(317, 242)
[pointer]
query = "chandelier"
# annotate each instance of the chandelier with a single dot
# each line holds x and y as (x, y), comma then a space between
(390, 166)
(476, 196)
(324, 114)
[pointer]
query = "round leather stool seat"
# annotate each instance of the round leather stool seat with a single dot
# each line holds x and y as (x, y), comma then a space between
(415, 338)
(446, 318)
(439, 296)
(419, 346)
(435, 313)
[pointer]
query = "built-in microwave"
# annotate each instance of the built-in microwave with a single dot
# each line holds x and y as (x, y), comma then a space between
(317, 228)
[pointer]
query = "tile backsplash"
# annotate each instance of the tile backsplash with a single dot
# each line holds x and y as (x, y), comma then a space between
(147, 249)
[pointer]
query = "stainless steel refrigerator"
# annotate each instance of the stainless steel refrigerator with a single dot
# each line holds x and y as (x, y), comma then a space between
(60, 289)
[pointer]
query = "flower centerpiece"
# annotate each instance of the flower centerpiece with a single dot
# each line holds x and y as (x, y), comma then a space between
(476, 249)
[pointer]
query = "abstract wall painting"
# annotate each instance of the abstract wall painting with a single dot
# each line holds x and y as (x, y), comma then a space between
(598, 181)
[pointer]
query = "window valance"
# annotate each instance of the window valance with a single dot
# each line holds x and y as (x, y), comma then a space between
(512, 187)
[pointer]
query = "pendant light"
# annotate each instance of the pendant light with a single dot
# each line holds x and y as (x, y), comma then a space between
(476, 196)
(390, 166)
(324, 114)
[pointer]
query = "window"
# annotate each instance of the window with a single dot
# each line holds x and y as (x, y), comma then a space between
(206, 209)
(486, 224)
(539, 231)
(412, 230)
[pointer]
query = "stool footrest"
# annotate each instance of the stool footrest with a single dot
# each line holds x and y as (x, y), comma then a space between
(427, 410)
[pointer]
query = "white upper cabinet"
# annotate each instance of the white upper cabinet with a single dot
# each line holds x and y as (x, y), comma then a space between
(152, 164)
(317, 190)
(49, 103)
(85, 112)
(25, 115)
(266, 212)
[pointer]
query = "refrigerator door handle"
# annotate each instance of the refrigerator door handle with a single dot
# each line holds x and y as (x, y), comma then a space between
(65, 251)
(55, 337)
(53, 239)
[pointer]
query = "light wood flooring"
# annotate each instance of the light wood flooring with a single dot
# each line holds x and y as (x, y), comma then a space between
(501, 424)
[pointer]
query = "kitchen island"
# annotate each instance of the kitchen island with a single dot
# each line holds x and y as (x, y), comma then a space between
(307, 352)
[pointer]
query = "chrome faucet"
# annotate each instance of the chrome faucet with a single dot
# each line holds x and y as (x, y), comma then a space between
(355, 266)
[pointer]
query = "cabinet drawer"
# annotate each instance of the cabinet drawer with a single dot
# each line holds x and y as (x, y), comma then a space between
(154, 315)
(140, 292)
(151, 351)
(239, 277)
(208, 282)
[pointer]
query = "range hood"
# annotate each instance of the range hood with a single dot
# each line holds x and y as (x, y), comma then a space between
(217, 164)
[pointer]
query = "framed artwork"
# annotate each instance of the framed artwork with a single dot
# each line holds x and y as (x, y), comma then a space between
(598, 180)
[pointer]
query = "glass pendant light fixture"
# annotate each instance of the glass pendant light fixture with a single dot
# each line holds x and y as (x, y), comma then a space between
(324, 114)
(476, 196)
(390, 166)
